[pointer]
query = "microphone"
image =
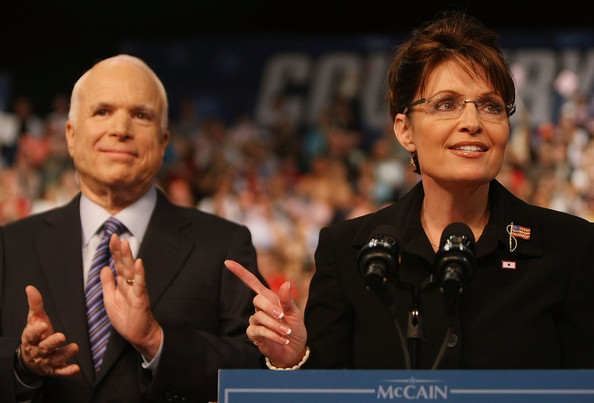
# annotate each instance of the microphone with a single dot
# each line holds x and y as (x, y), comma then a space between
(455, 261)
(378, 263)
(378, 259)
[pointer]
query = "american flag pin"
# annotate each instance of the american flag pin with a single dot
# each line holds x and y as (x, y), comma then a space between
(508, 264)
(517, 231)
(520, 232)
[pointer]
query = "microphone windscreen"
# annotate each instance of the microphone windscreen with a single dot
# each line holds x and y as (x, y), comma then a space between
(456, 229)
(384, 231)
(378, 258)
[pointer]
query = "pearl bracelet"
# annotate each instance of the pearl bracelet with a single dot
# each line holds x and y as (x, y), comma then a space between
(297, 366)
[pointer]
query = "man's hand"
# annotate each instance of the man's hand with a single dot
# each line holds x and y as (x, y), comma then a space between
(127, 303)
(42, 350)
(277, 326)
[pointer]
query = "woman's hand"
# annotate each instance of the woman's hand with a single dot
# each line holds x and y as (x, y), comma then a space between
(277, 326)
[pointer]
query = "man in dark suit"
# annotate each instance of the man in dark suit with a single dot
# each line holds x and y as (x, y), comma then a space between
(171, 317)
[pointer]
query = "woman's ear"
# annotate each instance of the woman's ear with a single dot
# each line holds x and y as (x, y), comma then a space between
(403, 132)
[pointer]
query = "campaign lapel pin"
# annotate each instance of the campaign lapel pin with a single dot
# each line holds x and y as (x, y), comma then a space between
(508, 264)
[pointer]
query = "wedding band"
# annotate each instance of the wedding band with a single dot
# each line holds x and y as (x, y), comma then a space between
(130, 281)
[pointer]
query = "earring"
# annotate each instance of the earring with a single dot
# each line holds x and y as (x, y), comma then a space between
(412, 160)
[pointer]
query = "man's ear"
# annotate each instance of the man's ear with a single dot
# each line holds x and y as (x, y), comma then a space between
(165, 136)
(70, 136)
(403, 132)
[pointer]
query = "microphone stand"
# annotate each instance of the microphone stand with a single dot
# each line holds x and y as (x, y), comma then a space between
(414, 333)
(389, 303)
(415, 330)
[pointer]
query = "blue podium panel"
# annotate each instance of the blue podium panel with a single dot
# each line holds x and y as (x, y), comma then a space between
(246, 386)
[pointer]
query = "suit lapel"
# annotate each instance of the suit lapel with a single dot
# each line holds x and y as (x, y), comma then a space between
(59, 247)
(165, 247)
(511, 210)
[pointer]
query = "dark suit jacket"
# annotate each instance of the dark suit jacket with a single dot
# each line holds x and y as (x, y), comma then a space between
(538, 315)
(202, 307)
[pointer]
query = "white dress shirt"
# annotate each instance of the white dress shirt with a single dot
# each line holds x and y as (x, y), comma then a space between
(135, 217)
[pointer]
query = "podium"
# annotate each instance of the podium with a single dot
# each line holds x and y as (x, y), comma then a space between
(356, 386)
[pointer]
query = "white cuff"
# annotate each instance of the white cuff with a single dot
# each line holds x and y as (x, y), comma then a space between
(154, 362)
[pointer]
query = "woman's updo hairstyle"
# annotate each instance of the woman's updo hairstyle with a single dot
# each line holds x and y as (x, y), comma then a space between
(453, 36)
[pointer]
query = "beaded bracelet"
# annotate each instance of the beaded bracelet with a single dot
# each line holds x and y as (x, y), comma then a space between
(297, 366)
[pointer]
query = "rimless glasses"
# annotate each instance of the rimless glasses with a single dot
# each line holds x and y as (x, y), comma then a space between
(450, 106)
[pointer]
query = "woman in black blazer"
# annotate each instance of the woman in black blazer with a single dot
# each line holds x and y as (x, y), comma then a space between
(509, 286)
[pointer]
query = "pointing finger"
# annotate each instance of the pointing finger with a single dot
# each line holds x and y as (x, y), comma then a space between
(250, 280)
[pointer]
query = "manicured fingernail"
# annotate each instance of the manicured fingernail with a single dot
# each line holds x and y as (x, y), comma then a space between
(285, 340)
(278, 313)
(285, 330)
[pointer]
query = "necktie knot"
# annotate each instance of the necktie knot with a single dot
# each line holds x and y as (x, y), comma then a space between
(113, 226)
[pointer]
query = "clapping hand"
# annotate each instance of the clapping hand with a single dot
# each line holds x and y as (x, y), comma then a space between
(127, 301)
(43, 352)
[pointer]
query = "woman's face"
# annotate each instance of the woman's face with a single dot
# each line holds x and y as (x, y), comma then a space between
(462, 150)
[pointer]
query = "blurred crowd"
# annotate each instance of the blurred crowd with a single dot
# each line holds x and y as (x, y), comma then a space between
(285, 181)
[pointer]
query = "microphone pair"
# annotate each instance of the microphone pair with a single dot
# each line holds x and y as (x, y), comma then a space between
(454, 263)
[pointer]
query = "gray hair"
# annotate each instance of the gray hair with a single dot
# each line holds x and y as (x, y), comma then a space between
(74, 98)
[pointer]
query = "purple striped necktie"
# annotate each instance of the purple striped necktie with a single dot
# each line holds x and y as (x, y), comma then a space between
(98, 322)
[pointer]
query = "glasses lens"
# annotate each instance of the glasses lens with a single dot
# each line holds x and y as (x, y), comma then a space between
(445, 106)
(492, 109)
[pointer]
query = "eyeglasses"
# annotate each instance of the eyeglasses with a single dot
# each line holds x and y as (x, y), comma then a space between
(450, 106)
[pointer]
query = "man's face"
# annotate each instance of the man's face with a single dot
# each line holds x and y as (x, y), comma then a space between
(116, 139)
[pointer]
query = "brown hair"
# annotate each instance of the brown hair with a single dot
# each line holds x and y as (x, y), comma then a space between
(453, 36)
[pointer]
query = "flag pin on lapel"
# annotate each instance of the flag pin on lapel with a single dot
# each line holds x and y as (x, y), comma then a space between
(516, 231)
